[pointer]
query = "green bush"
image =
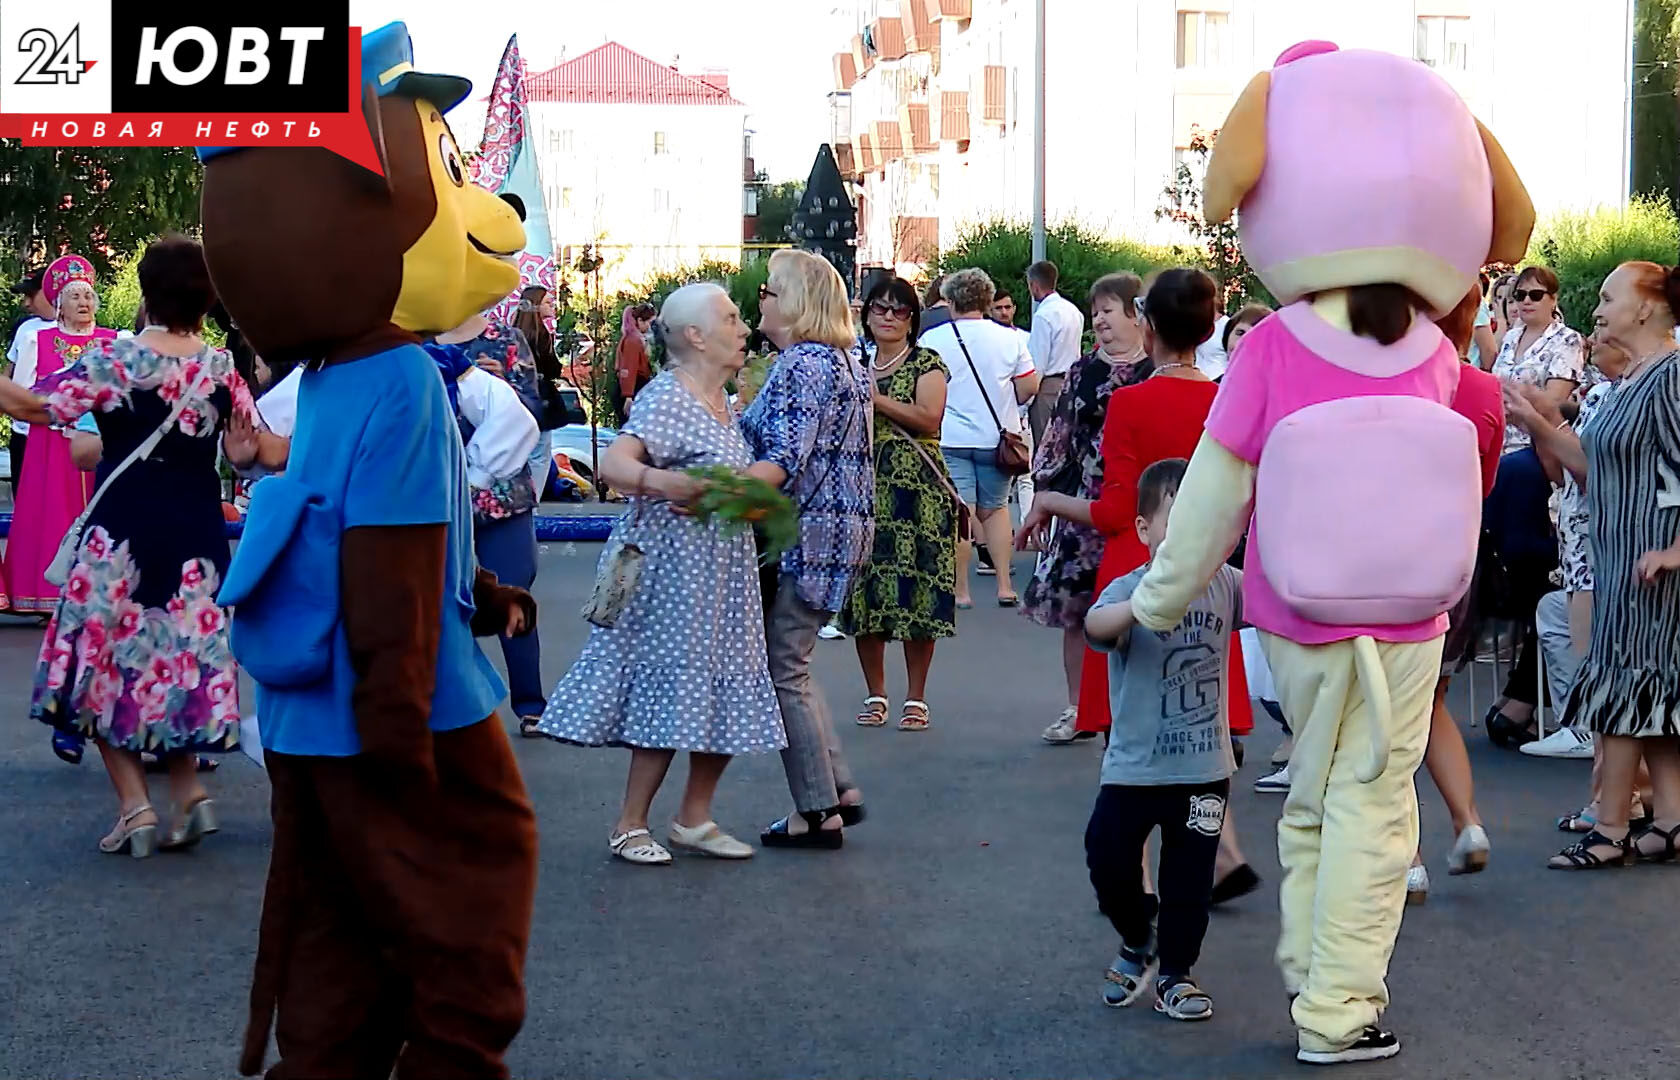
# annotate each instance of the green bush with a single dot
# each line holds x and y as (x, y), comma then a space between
(1583, 247)
(1003, 249)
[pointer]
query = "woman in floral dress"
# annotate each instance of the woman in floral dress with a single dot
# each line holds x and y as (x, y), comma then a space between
(136, 653)
(1069, 461)
(907, 590)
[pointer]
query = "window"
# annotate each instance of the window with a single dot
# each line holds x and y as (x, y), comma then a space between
(1204, 39)
(560, 141)
(565, 198)
(1443, 41)
(659, 142)
(661, 200)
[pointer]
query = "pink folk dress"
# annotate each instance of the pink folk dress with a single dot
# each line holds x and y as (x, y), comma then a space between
(53, 492)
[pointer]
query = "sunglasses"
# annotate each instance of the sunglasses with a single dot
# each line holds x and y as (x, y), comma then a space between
(764, 292)
(897, 311)
(1535, 295)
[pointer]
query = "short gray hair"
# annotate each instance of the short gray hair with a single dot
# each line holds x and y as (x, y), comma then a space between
(969, 290)
(691, 305)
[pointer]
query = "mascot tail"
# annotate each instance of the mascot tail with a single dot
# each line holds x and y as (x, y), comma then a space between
(1374, 680)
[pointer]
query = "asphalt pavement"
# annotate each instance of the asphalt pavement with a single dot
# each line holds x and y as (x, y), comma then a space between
(955, 936)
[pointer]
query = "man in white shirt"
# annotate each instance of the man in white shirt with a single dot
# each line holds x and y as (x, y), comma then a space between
(1003, 313)
(1057, 327)
(1210, 354)
(41, 315)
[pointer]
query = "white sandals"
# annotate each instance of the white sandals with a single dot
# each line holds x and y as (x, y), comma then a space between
(638, 846)
(874, 712)
(138, 841)
(708, 839)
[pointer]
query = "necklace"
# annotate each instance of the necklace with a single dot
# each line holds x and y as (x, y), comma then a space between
(720, 413)
(1161, 368)
(880, 367)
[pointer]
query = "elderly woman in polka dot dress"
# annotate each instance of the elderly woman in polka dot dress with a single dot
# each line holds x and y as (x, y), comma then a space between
(685, 666)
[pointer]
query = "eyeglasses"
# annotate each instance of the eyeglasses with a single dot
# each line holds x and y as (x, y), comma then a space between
(897, 311)
(764, 292)
(1535, 295)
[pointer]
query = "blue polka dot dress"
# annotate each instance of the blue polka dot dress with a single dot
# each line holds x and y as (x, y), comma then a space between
(685, 667)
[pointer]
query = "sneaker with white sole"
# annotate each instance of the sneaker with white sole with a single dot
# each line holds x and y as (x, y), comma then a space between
(830, 632)
(1373, 1044)
(1417, 884)
(1064, 730)
(1562, 743)
(1274, 782)
(1470, 852)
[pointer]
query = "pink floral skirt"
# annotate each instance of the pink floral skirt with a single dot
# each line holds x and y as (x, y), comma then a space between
(140, 678)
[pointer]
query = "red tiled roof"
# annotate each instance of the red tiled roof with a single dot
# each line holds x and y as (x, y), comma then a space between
(613, 75)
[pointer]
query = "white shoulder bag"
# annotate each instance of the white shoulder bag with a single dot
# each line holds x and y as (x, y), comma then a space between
(58, 571)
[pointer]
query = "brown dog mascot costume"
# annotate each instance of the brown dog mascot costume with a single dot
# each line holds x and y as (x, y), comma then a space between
(400, 887)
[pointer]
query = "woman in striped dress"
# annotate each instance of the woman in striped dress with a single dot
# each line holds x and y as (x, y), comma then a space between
(1628, 689)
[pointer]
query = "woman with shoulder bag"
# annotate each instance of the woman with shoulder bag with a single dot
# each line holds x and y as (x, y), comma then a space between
(676, 659)
(907, 590)
(981, 436)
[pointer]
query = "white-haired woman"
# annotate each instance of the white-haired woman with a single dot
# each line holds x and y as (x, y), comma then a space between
(810, 428)
(683, 668)
(992, 375)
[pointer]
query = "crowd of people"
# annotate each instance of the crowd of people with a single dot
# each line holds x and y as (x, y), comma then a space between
(903, 434)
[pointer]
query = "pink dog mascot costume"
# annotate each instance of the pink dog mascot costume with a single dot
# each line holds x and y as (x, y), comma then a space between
(1370, 198)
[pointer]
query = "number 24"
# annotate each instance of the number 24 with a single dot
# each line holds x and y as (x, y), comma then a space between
(51, 62)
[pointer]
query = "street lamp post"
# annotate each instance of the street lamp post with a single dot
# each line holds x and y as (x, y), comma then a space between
(1038, 243)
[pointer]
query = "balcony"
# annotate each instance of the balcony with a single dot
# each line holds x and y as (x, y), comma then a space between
(846, 159)
(867, 162)
(953, 116)
(862, 58)
(916, 130)
(888, 34)
(952, 9)
(992, 94)
(889, 143)
(920, 35)
(845, 71)
(915, 239)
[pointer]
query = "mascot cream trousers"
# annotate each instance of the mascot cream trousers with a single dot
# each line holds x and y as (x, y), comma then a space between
(1360, 712)
(1345, 845)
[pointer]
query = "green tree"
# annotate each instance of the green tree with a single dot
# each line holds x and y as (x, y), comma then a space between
(1584, 246)
(1656, 104)
(776, 204)
(101, 202)
(1222, 254)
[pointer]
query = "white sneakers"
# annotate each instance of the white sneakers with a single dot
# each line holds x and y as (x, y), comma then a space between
(1562, 743)
(830, 632)
(1064, 729)
(1277, 782)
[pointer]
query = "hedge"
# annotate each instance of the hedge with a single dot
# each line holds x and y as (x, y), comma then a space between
(1003, 249)
(1582, 247)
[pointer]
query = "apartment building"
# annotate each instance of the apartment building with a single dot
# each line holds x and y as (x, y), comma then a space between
(932, 111)
(651, 165)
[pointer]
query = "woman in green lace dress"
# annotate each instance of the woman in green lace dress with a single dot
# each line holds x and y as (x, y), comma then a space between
(907, 590)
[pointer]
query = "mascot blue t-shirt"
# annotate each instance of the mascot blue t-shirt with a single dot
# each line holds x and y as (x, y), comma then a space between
(404, 469)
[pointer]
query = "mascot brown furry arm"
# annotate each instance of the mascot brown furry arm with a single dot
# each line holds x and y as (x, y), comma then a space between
(400, 886)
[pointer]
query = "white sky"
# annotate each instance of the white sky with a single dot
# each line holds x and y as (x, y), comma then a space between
(777, 53)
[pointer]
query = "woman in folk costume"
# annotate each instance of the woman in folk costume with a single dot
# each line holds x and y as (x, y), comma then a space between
(1370, 196)
(53, 491)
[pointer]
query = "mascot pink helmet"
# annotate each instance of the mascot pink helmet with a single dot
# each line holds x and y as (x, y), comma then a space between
(1353, 167)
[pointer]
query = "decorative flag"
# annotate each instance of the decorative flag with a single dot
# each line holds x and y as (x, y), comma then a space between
(507, 165)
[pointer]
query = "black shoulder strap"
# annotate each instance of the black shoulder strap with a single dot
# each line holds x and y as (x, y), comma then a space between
(985, 395)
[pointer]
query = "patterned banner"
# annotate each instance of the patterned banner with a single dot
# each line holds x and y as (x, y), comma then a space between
(507, 164)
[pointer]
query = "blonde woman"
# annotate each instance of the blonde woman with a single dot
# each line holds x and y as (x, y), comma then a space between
(809, 427)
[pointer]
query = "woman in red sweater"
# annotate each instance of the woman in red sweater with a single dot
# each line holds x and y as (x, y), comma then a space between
(1160, 417)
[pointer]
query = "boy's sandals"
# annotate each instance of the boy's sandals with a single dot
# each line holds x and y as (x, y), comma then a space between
(1121, 988)
(1180, 998)
(638, 846)
(1585, 854)
(915, 716)
(874, 712)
